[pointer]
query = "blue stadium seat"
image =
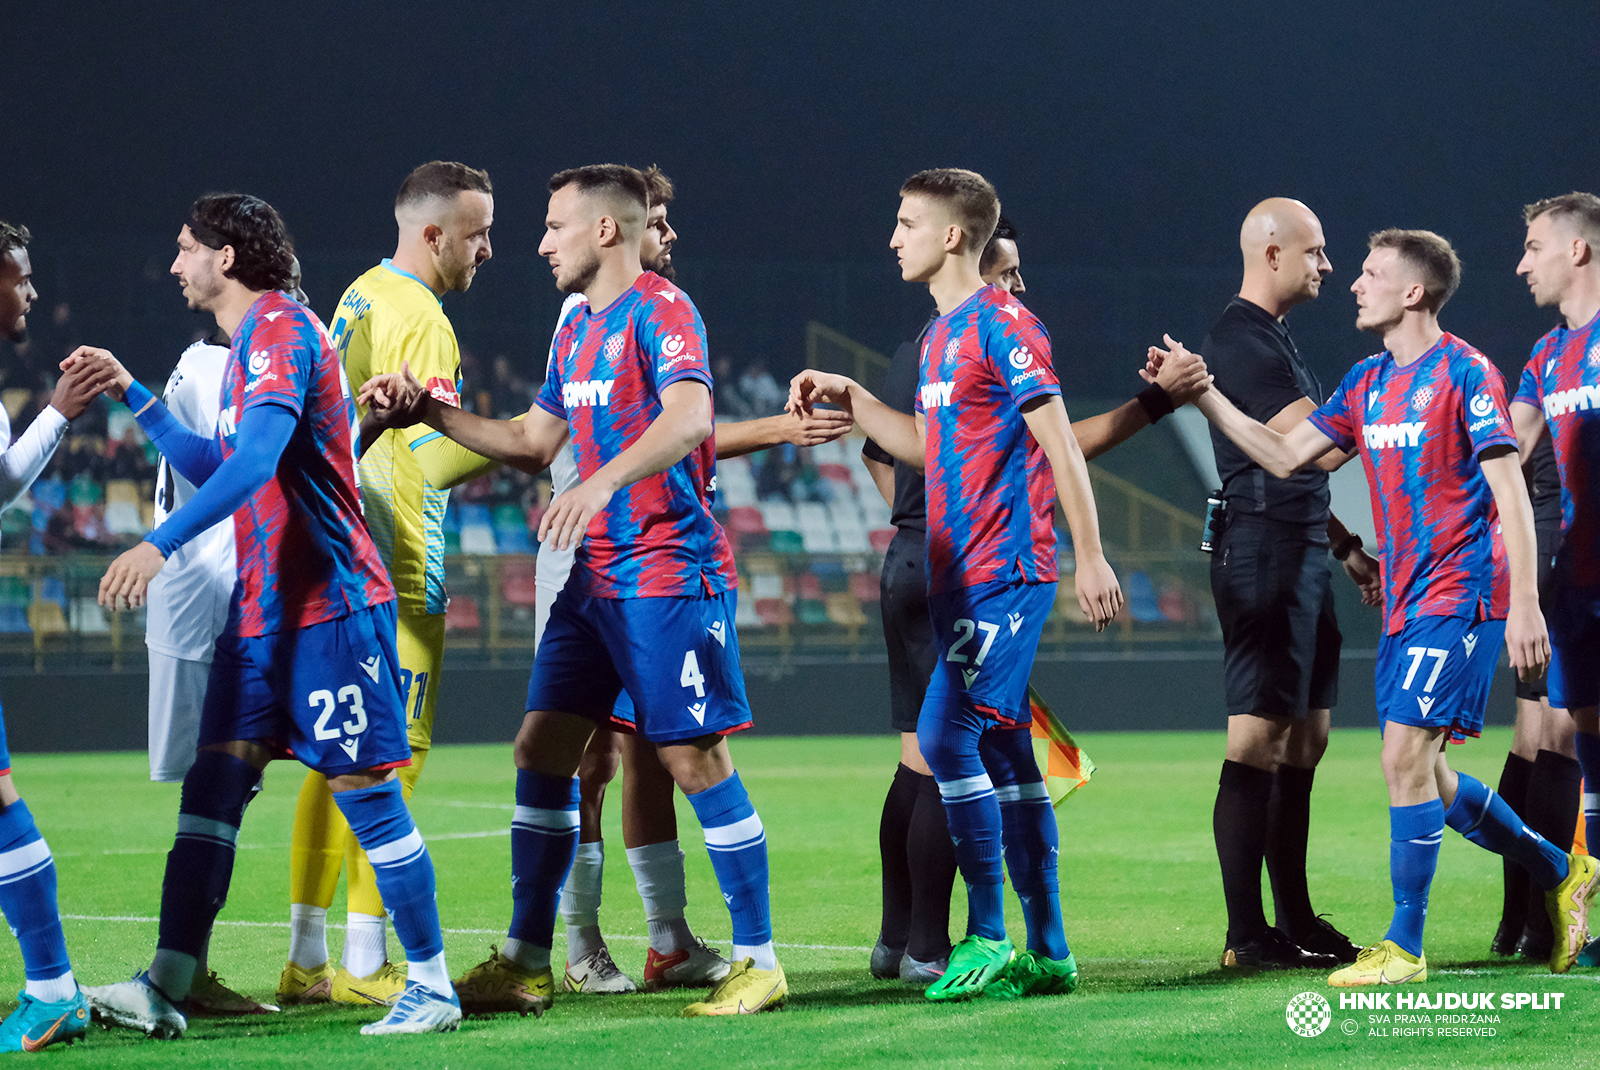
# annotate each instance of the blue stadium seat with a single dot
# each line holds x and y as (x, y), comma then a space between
(1142, 602)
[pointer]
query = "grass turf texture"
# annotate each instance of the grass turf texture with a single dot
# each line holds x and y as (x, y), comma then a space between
(1141, 895)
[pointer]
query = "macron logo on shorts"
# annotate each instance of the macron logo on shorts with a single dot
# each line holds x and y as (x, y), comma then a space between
(719, 632)
(1426, 702)
(370, 666)
(1469, 641)
(1016, 621)
(349, 746)
(699, 711)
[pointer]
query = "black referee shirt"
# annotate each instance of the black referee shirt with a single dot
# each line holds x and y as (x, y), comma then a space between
(1258, 369)
(910, 508)
(1544, 484)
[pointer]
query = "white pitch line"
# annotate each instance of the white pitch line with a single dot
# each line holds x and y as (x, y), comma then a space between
(456, 932)
(273, 846)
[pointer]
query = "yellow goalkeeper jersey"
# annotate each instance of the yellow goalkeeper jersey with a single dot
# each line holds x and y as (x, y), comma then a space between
(388, 317)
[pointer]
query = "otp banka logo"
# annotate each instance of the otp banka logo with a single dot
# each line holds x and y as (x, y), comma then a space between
(259, 362)
(1021, 357)
(587, 392)
(672, 346)
(1481, 406)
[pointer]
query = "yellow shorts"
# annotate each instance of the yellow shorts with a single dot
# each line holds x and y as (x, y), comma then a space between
(420, 642)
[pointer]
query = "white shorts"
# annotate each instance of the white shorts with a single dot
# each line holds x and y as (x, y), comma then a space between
(543, 599)
(177, 693)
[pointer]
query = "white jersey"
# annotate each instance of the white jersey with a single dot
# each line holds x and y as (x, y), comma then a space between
(189, 597)
(22, 462)
(554, 566)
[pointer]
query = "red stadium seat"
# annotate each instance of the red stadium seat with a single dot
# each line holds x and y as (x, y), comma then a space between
(461, 615)
(746, 520)
(866, 586)
(809, 586)
(880, 539)
(774, 611)
(837, 472)
(517, 584)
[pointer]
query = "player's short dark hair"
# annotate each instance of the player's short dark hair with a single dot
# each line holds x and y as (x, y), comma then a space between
(263, 251)
(442, 178)
(13, 236)
(971, 198)
(1428, 253)
(1003, 229)
(660, 186)
(1583, 209)
(605, 178)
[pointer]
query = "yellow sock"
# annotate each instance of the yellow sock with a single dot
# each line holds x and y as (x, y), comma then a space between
(317, 846)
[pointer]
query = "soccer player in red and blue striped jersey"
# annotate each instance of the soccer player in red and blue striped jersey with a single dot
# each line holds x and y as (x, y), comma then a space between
(992, 434)
(306, 665)
(1560, 393)
(649, 606)
(1429, 417)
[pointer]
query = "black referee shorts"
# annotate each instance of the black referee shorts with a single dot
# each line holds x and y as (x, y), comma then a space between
(1548, 541)
(907, 628)
(1281, 640)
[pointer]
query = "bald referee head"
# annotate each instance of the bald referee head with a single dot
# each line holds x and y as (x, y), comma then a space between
(1284, 254)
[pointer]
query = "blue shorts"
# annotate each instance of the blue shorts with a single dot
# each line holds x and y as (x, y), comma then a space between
(1436, 673)
(986, 636)
(328, 695)
(677, 659)
(1574, 679)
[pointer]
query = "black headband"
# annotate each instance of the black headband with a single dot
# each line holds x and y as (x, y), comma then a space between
(210, 238)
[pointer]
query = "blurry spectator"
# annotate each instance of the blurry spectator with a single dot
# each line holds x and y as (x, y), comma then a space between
(729, 400)
(761, 390)
(512, 395)
(786, 473)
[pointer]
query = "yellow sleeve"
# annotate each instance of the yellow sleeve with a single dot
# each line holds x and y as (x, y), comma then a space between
(445, 462)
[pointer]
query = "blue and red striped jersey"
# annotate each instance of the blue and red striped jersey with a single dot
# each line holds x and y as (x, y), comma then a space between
(1562, 379)
(607, 370)
(1420, 429)
(991, 493)
(304, 553)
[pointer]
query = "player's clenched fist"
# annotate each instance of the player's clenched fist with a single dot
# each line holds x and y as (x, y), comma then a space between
(124, 584)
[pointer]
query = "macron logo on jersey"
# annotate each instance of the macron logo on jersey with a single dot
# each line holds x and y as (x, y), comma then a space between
(586, 392)
(1384, 436)
(1578, 399)
(937, 394)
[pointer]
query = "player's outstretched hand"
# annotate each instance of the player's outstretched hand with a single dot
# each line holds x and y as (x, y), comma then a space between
(1099, 593)
(817, 426)
(811, 387)
(1182, 374)
(569, 514)
(85, 375)
(124, 584)
(1156, 357)
(1527, 641)
(394, 399)
(1368, 575)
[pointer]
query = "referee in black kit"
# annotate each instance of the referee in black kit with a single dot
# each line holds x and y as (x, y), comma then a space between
(1274, 595)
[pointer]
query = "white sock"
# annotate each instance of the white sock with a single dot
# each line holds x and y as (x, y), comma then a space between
(530, 957)
(365, 943)
(55, 990)
(658, 873)
(580, 896)
(765, 955)
(308, 935)
(173, 973)
(582, 941)
(430, 973)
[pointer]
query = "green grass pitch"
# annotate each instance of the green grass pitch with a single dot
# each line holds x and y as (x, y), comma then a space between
(1141, 895)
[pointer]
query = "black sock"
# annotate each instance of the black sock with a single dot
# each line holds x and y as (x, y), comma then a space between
(893, 829)
(1288, 827)
(1514, 790)
(1552, 812)
(931, 857)
(1239, 824)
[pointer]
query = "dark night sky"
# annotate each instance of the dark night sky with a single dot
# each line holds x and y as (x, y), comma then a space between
(1127, 141)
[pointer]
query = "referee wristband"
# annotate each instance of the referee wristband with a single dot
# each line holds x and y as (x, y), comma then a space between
(1155, 401)
(1347, 545)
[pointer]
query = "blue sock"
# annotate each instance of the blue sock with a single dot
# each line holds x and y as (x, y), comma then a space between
(1414, 835)
(949, 738)
(544, 841)
(1488, 821)
(382, 825)
(738, 847)
(1589, 761)
(1032, 840)
(28, 894)
(200, 864)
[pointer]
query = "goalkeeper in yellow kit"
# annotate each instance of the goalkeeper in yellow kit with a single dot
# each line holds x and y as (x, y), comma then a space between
(392, 315)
